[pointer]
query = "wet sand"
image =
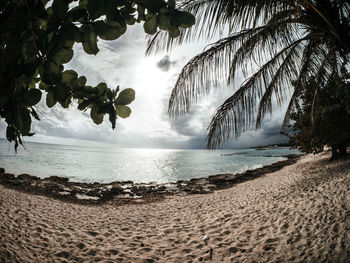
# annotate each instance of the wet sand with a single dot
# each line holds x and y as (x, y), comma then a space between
(298, 214)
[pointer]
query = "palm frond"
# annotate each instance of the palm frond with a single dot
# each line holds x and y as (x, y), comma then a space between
(216, 16)
(197, 76)
(237, 113)
(282, 78)
(264, 43)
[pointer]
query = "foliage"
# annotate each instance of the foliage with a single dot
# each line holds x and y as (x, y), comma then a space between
(271, 42)
(323, 118)
(37, 39)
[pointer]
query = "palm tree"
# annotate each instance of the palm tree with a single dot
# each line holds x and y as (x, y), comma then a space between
(294, 41)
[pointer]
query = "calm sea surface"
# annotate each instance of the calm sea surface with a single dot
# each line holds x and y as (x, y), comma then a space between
(104, 165)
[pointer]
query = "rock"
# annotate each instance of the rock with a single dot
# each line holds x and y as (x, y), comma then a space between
(7, 176)
(58, 179)
(8, 179)
(2, 170)
(27, 177)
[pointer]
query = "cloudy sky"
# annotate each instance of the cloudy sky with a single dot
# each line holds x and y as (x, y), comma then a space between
(122, 62)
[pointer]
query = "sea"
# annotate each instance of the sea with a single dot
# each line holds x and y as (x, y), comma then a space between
(107, 164)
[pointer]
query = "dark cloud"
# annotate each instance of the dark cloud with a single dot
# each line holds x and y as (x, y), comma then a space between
(165, 63)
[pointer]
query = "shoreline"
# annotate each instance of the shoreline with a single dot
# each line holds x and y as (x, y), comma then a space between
(127, 192)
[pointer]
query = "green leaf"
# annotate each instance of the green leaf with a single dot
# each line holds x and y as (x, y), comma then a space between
(31, 97)
(68, 76)
(164, 21)
(90, 41)
(50, 99)
(95, 8)
(66, 102)
(89, 90)
(63, 55)
(101, 89)
(78, 14)
(61, 92)
(186, 19)
(60, 8)
(51, 68)
(153, 5)
(83, 105)
(174, 32)
(78, 83)
(150, 26)
(10, 133)
(97, 118)
(108, 30)
(24, 120)
(123, 111)
(69, 34)
(125, 97)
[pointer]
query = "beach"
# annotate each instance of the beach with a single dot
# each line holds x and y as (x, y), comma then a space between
(300, 213)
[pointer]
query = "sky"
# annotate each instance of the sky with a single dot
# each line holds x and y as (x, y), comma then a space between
(122, 62)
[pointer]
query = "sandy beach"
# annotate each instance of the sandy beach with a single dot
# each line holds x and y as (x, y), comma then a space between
(298, 214)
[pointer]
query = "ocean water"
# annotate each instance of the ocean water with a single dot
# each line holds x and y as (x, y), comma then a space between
(104, 165)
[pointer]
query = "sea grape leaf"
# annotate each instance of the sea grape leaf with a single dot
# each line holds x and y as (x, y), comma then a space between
(66, 102)
(174, 32)
(101, 89)
(24, 120)
(123, 111)
(78, 83)
(186, 19)
(125, 97)
(50, 68)
(90, 41)
(60, 8)
(164, 21)
(63, 55)
(83, 104)
(61, 92)
(10, 133)
(69, 34)
(50, 99)
(153, 5)
(43, 86)
(97, 118)
(150, 26)
(68, 76)
(108, 31)
(31, 97)
(78, 14)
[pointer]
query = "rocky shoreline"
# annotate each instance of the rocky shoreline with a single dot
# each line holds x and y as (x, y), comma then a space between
(127, 192)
